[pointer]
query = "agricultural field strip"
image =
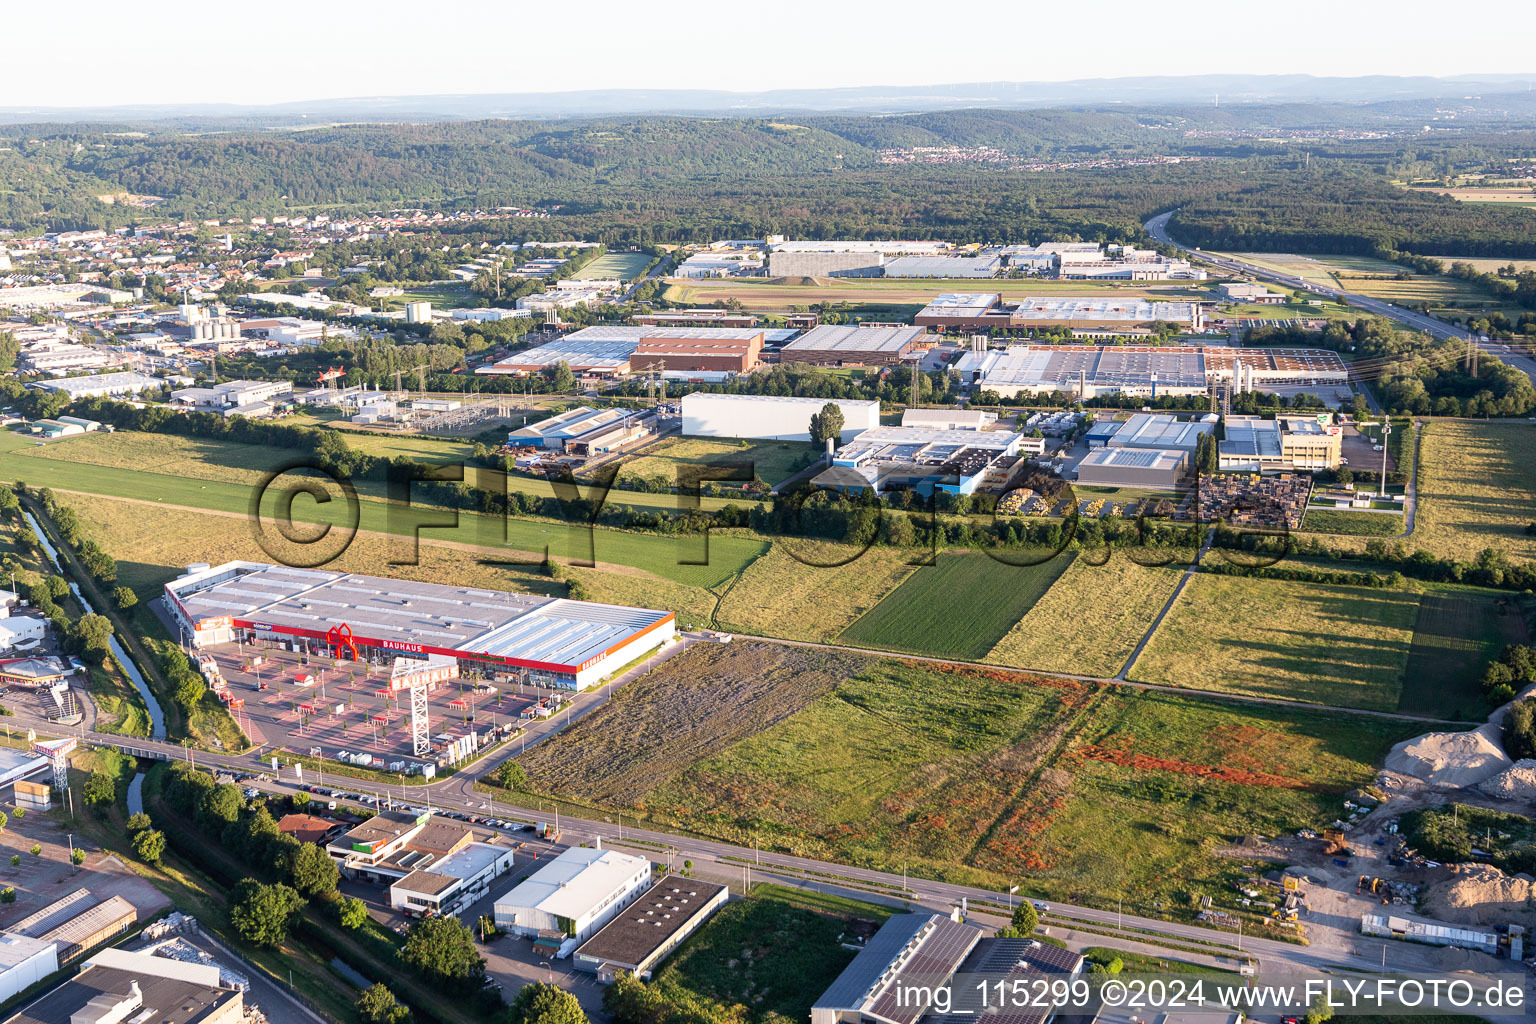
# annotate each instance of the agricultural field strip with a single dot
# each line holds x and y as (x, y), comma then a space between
(168, 456)
(1219, 696)
(963, 605)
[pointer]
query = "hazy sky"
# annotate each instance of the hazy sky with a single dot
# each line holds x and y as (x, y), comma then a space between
(172, 51)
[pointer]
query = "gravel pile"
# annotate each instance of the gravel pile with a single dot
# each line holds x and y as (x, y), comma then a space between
(1518, 782)
(1451, 759)
(1482, 895)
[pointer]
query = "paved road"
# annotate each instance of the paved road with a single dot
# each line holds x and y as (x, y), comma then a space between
(1331, 948)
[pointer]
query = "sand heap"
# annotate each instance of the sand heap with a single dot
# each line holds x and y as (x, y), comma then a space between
(1518, 782)
(1482, 895)
(1451, 759)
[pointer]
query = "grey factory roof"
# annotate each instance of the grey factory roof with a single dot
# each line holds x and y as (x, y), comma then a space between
(960, 304)
(1034, 366)
(1247, 436)
(1120, 310)
(645, 925)
(601, 353)
(428, 883)
(173, 1000)
(125, 380)
(381, 828)
(1104, 428)
(570, 423)
(1011, 961)
(1137, 458)
(76, 922)
(921, 444)
(943, 266)
(926, 945)
(853, 338)
(1150, 430)
(520, 627)
(634, 332)
(17, 949)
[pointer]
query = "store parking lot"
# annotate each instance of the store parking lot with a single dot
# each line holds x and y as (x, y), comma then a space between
(310, 703)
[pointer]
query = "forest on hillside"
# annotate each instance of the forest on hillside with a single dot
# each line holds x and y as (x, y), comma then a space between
(672, 179)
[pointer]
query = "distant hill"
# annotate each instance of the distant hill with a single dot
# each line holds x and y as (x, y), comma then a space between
(1166, 89)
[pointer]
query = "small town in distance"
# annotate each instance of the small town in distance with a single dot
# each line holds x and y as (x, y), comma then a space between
(440, 585)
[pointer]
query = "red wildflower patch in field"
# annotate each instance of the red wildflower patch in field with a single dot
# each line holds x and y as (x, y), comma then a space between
(1126, 758)
(1016, 842)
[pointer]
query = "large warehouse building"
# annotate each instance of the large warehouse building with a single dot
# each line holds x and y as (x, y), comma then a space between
(610, 350)
(575, 894)
(551, 641)
(1155, 430)
(641, 937)
(1275, 367)
(855, 345)
(1254, 444)
(1149, 370)
(592, 350)
(986, 310)
(1155, 468)
(1088, 370)
(967, 311)
(728, 349)
(778, 417)
(923, 461)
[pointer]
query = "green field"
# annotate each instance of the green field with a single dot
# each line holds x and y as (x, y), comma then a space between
(1477, 489)
(614, 266)
(1376, 278)
(217, 476)
(1345, 646)
(1438, 291)
(772, 461)
(959, 608)
(781, 595)
(1454, 638)
(762, 960)
(1085, 792)
(1090, 619)
(442, 296)
(1351, 523)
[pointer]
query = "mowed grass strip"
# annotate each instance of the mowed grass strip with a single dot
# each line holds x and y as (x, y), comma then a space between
(231, 491)
(958, 608)
(1345, 646)
(1477, 489)
(796, 591)
(162, 465)
(1454, 638)
(1351, 523)
(1090, 620)
(614, 266)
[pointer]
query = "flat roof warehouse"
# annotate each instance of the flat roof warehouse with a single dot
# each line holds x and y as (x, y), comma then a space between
(554, 635)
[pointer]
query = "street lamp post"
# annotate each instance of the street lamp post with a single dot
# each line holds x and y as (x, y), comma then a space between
(1386, 428)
